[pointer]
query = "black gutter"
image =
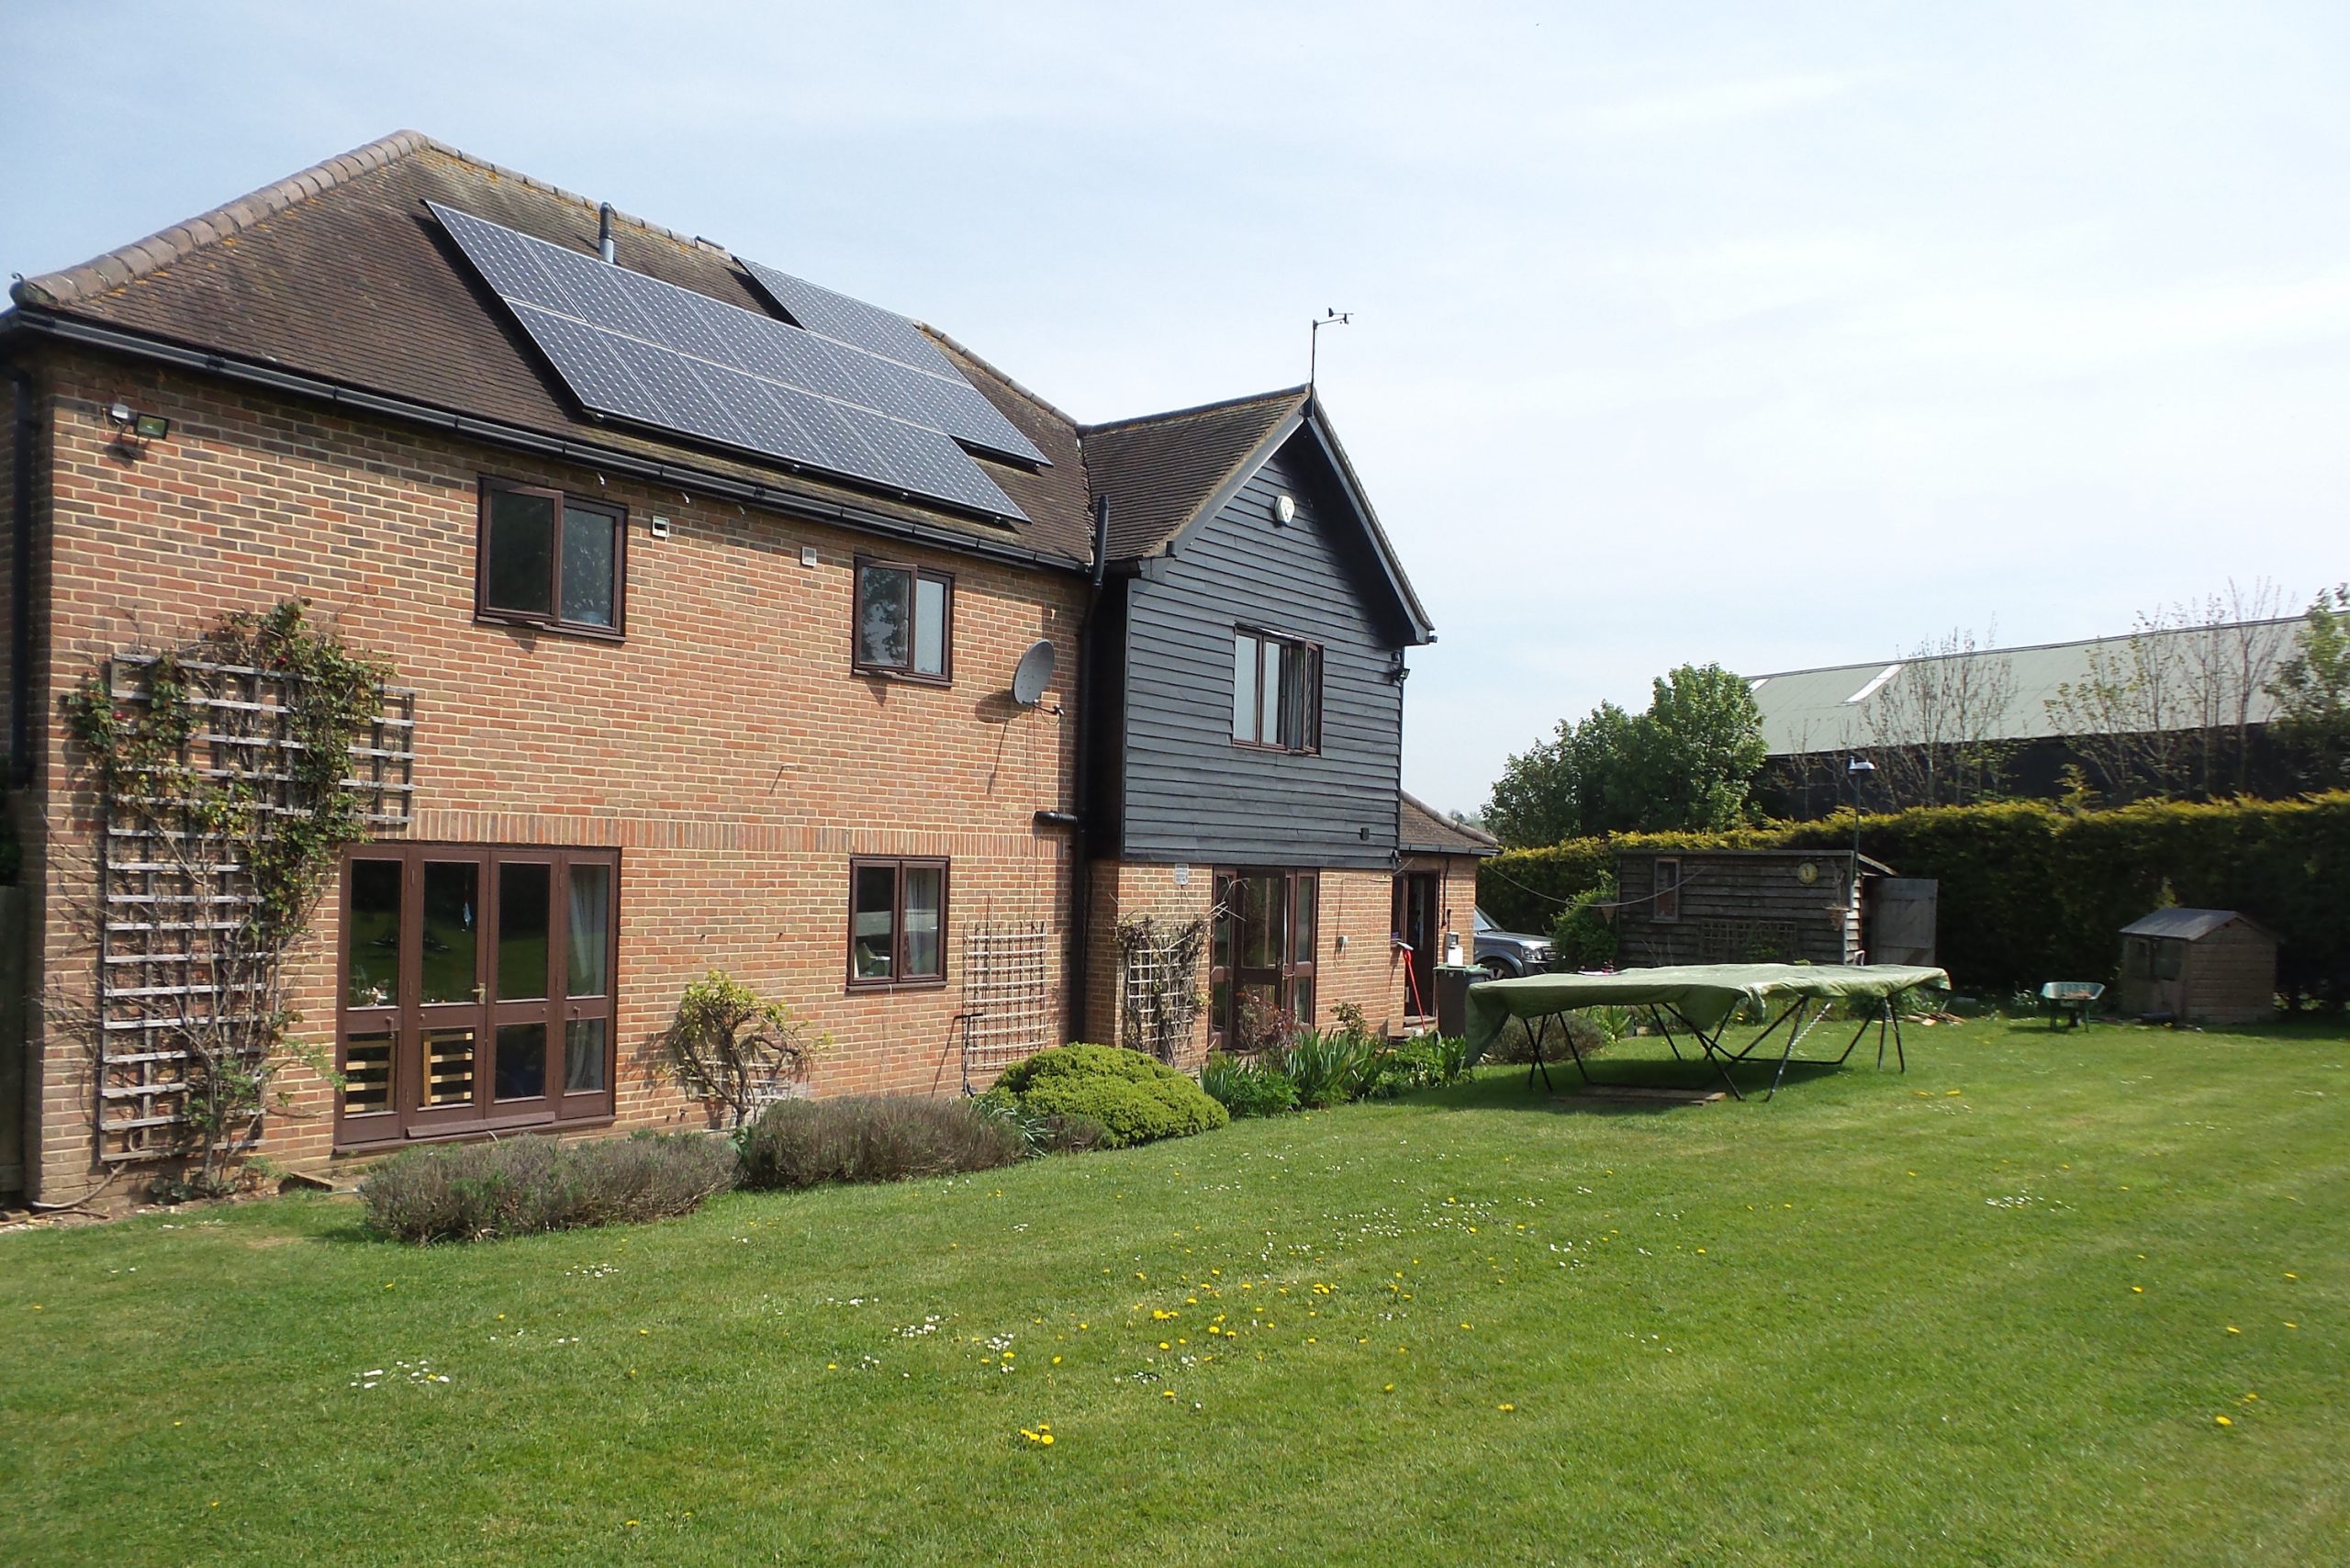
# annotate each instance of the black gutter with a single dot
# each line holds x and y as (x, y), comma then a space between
(516, 438)
(20, 581)
(1082, 845)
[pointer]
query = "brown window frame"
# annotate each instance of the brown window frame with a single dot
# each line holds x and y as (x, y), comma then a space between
(490, 614)
(897, 979)
(916, 576)
(1225, 943)
(1301, 679)
(408, 1018)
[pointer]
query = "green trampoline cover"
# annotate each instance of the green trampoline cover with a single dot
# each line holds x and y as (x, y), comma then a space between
(1706, 994)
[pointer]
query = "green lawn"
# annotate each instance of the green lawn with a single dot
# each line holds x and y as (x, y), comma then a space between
(1985, 1313)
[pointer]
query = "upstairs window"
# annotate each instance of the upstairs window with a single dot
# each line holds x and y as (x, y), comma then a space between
(1276, 692)
(905, 621)
(550, 559)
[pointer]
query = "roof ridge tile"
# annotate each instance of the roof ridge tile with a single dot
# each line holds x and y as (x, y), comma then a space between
(160, 249)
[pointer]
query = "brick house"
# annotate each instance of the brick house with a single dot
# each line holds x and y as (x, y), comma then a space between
(676, 689)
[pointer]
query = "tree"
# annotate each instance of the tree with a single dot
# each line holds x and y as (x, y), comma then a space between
(731, 1045)
(1932, 729)
(1688, 762)
(1695, 751)
(2312, 692)
(2167, 709)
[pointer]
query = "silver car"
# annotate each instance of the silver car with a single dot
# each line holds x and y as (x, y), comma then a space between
(1506, 955)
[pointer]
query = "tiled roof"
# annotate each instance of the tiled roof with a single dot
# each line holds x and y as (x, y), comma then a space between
(340, 272)
(339, 275)
(1160, 470)
(1420, 830)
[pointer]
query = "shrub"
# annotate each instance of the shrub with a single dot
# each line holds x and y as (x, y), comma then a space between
(1041, 1135)
(1134, 1097)
(879, 1137)
(515, 1186)
(730, 1044)
(1329, 1069)
(1246, 1088)
(1514, 1044)
(1426, 1063)
(1583, 939)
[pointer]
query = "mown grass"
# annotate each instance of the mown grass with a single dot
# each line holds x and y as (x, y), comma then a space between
(1987, 1313)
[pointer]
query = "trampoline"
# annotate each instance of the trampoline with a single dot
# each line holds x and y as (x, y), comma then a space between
(1704, 1000)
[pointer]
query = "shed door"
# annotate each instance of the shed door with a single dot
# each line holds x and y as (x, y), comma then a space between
(1901, 923)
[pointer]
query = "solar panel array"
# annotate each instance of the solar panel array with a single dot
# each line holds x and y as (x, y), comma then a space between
(639, 349)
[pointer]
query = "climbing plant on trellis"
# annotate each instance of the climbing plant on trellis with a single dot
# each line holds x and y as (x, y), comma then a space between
(230, 774)
(1158, 990)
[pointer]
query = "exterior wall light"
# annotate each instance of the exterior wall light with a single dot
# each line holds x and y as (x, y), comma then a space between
(131, 422)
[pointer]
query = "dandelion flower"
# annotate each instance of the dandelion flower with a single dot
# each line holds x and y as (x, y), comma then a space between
(2234, 1330)
(1508, 1407)
(1046, 1439)
(2224, 1421)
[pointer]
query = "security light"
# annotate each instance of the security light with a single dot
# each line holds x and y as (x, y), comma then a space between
(151, 426)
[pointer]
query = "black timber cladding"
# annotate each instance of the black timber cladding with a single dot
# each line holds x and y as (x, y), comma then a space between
(1188, 794)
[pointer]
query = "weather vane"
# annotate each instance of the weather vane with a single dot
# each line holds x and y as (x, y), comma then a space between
(1328, 318)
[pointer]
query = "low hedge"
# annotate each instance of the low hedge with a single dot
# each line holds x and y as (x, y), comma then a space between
(1136, 1098)
(515, 1186)
(800, 1143)
(2032, 891)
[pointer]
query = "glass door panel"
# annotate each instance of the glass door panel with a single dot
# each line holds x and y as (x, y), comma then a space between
(523, 928)
(585, 1049)
(371, 934)
(521, 1061)
(589, 934)
(451, 931)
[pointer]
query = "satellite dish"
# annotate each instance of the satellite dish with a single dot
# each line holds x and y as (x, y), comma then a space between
(1034, 674)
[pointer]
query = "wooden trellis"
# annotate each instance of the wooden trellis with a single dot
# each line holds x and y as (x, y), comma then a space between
(1158, 999)
(173, 898)
(1007, 998)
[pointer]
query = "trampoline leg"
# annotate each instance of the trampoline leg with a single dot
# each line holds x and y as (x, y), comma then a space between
(1898, 1054)
(1794, 1034)
(1538, 1062)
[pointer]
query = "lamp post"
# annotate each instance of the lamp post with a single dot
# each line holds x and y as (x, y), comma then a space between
(1856, 769)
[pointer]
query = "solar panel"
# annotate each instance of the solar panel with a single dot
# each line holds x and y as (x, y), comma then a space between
(651, 352)
(893, 352)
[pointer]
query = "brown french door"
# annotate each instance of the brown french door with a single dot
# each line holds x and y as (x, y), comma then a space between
(1416, 931)
(1261, 955)
(477, 988)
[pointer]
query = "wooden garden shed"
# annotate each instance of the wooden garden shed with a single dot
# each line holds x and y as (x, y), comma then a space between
(1768, 906)
(2201, 966)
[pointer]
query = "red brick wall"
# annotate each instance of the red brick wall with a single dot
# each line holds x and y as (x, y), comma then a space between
(725, 746)
(1353, 957)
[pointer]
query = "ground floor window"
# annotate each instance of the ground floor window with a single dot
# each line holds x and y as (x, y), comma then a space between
(897, 922)
(476, 989)
(1260, 956)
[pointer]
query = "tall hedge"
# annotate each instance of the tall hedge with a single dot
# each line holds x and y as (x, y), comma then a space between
(2031, 892)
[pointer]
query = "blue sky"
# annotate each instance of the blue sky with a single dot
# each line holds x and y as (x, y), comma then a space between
(1778, 335)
